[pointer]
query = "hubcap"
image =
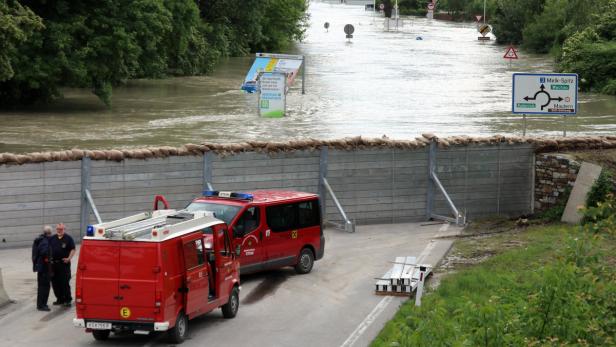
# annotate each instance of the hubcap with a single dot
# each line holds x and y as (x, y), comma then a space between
(305, 261)
(234, 303)
(182, 326)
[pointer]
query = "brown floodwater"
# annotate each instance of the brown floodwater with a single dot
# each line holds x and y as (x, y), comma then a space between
(380, 83)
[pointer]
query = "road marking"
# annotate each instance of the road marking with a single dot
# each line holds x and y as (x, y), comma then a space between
(380, 307)
(370, 318)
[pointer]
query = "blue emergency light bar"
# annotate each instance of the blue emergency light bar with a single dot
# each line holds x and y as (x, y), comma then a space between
(90, 231)
(230, 195)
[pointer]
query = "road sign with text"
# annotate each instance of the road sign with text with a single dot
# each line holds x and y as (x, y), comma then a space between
(555, 94)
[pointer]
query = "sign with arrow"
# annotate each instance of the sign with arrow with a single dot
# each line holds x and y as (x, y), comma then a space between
(511, 53)
(555, 94)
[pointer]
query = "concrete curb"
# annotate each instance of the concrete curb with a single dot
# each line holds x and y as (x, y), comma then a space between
(4, 297)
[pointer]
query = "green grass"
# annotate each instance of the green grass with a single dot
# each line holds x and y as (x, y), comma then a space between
(546, 285)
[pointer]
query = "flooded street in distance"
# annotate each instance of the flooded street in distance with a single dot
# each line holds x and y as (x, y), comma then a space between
(382, 83)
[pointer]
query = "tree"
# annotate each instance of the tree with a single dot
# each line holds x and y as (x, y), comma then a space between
(17, 24)
(511, 17)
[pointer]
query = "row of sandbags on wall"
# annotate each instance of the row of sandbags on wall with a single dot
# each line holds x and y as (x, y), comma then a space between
(541, 144)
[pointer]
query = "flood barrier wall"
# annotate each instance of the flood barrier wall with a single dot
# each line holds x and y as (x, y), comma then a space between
(374, 185)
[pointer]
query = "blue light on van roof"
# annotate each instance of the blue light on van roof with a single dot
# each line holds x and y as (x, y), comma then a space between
(90, 230)
(231, 195)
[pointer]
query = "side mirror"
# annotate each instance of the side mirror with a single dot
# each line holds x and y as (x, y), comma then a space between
(238, 250)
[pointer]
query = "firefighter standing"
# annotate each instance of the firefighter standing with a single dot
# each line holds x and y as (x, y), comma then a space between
(62, 250)
(41, 265)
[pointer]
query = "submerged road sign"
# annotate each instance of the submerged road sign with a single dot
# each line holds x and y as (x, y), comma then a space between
(349, 29)
(555, 94)
(511, 53)
(272, 94)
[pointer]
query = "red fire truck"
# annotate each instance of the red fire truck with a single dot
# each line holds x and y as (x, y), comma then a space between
(274, 228)
(154, 271)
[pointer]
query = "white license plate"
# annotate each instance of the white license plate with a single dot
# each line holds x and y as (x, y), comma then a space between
(98, 326)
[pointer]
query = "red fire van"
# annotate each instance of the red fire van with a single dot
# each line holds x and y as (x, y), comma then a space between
(155, 271)
(274, 228)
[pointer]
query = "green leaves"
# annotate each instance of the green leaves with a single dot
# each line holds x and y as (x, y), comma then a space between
(558, 290)
(17, 23)
(101, 44)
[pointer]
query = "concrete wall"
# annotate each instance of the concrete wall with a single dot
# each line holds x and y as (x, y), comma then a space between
(385, 185)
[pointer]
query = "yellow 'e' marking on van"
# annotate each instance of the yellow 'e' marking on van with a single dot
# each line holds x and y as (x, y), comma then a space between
(125, 312)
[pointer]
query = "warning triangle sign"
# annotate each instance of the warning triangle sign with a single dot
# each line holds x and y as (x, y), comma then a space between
(511, 53)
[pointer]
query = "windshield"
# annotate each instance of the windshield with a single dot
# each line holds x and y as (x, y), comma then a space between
(223, 212)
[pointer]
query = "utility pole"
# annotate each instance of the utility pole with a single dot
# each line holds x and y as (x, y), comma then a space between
(484, 11)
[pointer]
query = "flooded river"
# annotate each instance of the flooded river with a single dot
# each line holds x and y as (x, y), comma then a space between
(381, 83)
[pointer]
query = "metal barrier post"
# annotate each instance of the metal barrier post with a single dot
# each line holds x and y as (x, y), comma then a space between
(349, 226)
(431, 169)
(322, 175)
(85, 186)
(434, 182)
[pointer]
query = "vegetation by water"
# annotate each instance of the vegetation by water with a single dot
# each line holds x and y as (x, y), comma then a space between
(580, 34)
(100, 44)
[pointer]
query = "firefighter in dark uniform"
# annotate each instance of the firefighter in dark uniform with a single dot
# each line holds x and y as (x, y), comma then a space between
(41, 251)
(62, 251)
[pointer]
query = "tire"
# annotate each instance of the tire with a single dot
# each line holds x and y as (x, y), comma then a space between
(229, 310)
(179, 332)
(101, 335)
(305, 262)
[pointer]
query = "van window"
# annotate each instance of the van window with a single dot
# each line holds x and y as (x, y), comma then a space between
(281, 217)
(248, 222)
(193, 254)
(309, 214)
(226, 244)
(224, 212)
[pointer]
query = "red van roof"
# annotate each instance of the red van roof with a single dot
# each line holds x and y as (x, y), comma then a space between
(262, 196)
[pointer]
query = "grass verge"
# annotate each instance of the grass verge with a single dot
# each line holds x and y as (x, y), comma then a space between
(545, 285)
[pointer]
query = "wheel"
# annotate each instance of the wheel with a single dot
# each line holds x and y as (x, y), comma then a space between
(178, 333)
(229, 310)
(305, 262)
(101, 335)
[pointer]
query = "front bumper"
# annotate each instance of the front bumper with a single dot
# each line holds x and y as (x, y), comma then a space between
(125, 325)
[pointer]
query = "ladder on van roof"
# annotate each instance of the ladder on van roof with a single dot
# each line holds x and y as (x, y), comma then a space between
(141, 224)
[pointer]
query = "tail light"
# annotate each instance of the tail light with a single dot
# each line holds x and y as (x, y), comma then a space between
(159, 299)
(78, 296)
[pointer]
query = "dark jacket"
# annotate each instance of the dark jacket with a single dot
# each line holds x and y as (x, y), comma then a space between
(40, 254)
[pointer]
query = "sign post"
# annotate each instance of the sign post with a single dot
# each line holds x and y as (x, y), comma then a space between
(545, 94)
(272, 94)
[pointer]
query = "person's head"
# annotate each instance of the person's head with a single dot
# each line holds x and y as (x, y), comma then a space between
(60, 229)
(47, 230)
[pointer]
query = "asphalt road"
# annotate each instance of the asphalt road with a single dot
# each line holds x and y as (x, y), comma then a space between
(334, 305)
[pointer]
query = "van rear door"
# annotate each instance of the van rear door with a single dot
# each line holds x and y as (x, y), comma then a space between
(139, 267)
(196, 278)
(98, 277)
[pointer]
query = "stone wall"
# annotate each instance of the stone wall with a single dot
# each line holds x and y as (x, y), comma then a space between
(555, 174)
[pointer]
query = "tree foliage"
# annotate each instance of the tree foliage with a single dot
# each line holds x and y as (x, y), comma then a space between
(17, 24)
(47, 45)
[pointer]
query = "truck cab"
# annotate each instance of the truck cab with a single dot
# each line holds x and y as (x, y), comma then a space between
(155, 271)
(273, 228)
